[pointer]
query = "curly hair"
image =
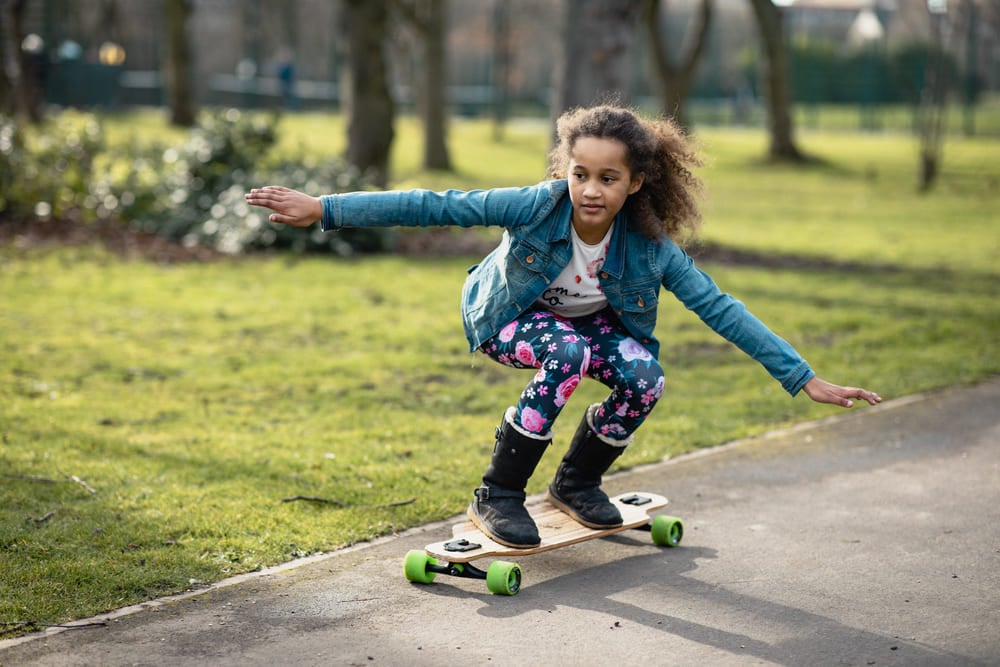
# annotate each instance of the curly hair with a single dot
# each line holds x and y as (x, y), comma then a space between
(667, 202)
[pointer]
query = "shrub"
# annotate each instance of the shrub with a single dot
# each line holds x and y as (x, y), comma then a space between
(47, 172)
(191, 193)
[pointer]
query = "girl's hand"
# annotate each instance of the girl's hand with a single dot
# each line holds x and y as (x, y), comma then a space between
(822, 391)
(290, 206)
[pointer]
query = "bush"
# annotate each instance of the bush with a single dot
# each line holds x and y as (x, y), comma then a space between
(191, 193)
(47, 172)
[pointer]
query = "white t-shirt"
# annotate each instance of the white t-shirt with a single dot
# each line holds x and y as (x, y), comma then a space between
(577, 291)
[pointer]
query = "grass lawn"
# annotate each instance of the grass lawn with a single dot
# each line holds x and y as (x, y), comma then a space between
(157, 420)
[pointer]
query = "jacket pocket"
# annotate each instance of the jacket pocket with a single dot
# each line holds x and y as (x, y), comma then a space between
(639, 309)
(529, 258)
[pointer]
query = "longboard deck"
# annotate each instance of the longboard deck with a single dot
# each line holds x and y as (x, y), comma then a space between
(556, 529)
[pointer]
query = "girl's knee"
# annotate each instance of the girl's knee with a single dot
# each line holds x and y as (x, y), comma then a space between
(647, 382)
(568, 358)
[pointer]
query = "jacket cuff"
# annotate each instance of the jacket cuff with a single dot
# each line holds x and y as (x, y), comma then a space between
(794, 381)
(331, 213)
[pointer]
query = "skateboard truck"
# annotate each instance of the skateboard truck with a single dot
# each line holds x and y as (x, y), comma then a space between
(502, 577)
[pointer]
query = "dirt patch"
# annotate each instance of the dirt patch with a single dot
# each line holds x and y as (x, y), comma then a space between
(124, 242)
(444, 242)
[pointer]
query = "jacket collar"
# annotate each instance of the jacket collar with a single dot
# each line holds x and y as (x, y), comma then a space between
(614, 263)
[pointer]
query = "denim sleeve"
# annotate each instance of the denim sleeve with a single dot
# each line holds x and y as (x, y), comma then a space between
(730, 318)
(503, 207)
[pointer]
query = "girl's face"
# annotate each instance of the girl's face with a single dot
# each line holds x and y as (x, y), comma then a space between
(599, 183)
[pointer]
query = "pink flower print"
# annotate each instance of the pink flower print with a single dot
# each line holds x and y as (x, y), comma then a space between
(653, 395)
(525, 354)
(613, 430)
(585, 364)
(507, 333)
(566, 389)
(622, 410)
(571, 338)
(660, 387)
(632, 350)
(539, 376)
(532, 420)
(595, 266)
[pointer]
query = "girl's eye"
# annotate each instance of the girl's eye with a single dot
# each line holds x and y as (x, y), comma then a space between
(608, 180)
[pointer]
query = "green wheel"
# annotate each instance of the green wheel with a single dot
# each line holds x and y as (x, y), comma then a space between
(667, 531)
(503, 578)
(415, 567)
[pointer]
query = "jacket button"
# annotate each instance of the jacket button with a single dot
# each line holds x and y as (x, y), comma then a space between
(530, 259)
(640, 303)
(604, 275)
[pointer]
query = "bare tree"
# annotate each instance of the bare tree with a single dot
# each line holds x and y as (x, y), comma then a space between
(29, 61)
(596, 63)
(6, 86)
(180, 95)
(933, 101)
(501, 66)
(779, 94)
(371, 109)
(430, 19)
(676, 80)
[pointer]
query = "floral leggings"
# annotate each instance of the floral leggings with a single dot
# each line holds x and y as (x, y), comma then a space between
(565, 351)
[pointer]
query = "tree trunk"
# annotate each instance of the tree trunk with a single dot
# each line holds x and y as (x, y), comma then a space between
(180, 96)
(676, 81)
(501, 67)
(778, 87)
(933, 106)
(371, 108)
(28, 90)
(597, 43)
(430, 20)
(6, 87)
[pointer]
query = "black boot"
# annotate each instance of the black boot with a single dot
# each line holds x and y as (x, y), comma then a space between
(576, 488)
(498, 508)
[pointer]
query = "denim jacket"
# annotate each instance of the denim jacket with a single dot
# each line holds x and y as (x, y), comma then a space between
(535, 248)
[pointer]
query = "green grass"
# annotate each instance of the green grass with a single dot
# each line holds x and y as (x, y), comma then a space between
(189, 401)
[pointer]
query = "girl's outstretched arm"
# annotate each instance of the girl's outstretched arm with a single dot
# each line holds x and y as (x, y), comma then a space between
(822, 391)
(290, 207)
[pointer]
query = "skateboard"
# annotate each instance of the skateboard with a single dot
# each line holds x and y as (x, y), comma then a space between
(454, 557)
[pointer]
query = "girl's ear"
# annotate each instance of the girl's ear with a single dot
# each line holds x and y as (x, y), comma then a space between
(636, 183)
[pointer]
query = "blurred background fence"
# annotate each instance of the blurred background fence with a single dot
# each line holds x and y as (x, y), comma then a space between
(864, 54)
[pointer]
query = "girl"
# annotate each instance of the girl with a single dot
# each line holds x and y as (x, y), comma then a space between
(572, 291)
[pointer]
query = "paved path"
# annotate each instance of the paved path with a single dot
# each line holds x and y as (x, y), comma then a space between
(868, 539)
